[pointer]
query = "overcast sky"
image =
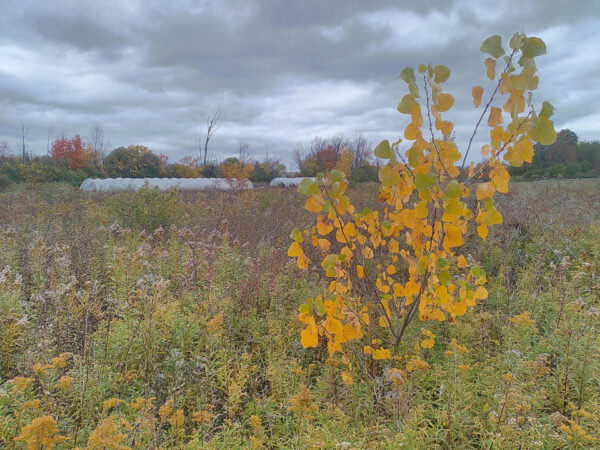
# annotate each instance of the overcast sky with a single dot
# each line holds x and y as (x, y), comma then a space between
(284, 71)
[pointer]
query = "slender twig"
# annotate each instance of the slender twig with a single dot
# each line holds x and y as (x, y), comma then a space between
(437, 151)
(485, 109)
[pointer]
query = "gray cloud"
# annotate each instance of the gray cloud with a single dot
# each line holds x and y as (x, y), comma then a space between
(283, 72)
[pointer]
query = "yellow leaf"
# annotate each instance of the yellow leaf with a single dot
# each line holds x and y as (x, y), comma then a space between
(411, 288)
(314, 203)
(324, 226)
(460, 308)
(516, 100)
(493, 217)
(382, 353)
(350, 333)
(485, 190)
(333, 326)
(398, 290)
(381, 286)
(495, 117)
(295, 250)
(309, 337)
(367, 252)
(524, 150)
(481, 293)
(453, 208)
(350, 230)
(471, 170)
(490, 65)
(445, 126)
(445, 102)
(482, 230)
(302, 262)
(394, 246)
(461, 262)
(500, 176)
(497, 134)
(324, 244)
(411, 132)
(453, 236)
(346, 251)
(421, 209)
(360, 271)
(391, 270)
(477, 92)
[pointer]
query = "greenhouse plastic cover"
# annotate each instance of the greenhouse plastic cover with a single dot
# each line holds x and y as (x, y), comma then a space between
(288, 182)
(115, 184)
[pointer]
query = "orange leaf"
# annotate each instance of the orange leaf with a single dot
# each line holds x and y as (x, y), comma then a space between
(360, 271)
(477, 92)
(314, 203)
(490, 65)
(495, 117)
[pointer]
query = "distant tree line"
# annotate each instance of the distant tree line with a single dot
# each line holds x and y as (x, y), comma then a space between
(354, 157)
(567, 158)
(71, 160)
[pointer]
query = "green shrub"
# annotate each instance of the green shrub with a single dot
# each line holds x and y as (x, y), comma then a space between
(146, 209)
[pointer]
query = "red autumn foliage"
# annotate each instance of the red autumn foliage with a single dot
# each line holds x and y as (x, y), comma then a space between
(327, 158)
(69, 151)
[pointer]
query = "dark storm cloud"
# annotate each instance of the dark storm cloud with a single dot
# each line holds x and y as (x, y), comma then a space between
(283, 71)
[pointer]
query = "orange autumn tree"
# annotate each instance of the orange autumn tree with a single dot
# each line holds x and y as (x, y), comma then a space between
(70, 151)
(404, 259)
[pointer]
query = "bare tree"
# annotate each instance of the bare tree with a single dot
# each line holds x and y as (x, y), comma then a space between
(337, 142)
(300, 154)
(48, 139)
(24, 133)
(97, 141)
(244, 153)
(360, 149)
(212, 124)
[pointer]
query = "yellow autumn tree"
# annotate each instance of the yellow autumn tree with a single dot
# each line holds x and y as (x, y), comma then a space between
(235, 172)
(403, 259)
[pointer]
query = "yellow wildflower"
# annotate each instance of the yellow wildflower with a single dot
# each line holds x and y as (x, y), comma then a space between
(110, 404)
(303, 401)
(177, 418)
(524, 319)
(256, 423)
(64, 382)
(165, 410)
(20, 384)
(203, 417)
(106, 436)
(216, 322)
(40, 433)
(415, 364)
(41, 369)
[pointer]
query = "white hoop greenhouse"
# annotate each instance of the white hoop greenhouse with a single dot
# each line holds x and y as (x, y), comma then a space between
(116, 184)
(288, 182)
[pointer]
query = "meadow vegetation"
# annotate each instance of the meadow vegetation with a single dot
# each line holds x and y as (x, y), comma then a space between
(177, 327)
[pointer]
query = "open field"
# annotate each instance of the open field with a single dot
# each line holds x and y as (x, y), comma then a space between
(164, 319)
